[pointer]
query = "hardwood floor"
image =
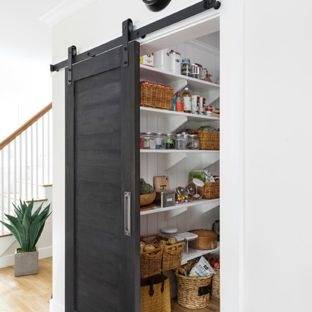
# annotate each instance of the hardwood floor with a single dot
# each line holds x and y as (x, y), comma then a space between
(28, 293)
(214, 306)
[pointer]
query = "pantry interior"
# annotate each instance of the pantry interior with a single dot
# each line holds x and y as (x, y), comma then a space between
(178, 147)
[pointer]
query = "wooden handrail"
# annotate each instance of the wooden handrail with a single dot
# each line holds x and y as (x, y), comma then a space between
(25, 126)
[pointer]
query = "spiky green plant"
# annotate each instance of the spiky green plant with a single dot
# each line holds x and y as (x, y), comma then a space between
(26, 225)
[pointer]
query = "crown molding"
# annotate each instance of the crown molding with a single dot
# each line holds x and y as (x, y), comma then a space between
(63, 10)
(205, 46)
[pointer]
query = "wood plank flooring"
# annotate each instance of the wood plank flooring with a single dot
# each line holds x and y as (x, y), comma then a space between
(27, 293)
(214, 306)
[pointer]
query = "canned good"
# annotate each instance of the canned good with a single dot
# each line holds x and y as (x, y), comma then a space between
(142, 140)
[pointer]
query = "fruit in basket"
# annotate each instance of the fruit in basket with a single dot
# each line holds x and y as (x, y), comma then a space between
(145, 188)
(172, 240)
(149, 248)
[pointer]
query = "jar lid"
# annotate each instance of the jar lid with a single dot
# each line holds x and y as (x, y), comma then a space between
(193, 135)
(169, 230)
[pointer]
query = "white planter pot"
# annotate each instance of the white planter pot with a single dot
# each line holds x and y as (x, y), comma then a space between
(26, 263)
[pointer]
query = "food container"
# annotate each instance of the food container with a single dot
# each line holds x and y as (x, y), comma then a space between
(169, 141)
(204, 74)
(147, 59)
(193, 142)
(165, 198)
(201, 105)
(195, 103)
(160, 141)
(207, 240)
(174, 62)
(186, 67)
(181, 141)
(145, 140)
(161, 183)
(194, 71)
(149, 140)
(161, 59)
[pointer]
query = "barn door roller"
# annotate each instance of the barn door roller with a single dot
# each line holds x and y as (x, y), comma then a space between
(129, 34)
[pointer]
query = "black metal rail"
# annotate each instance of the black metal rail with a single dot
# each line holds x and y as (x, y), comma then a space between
(129, 34)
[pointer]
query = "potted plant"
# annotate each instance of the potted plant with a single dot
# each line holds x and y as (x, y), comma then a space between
(27, 226)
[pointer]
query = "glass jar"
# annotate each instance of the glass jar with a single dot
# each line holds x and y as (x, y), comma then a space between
(193, 142)
(152, 140)
(186, 67)
(160, 141)
(181, 141)
(169, 141)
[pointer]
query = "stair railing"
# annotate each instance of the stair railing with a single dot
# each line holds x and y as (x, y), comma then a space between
(25, 162)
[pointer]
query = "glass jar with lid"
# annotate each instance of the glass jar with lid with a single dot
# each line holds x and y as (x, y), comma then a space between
(181, 141)
(193, 142)
(169, 141)
(160, 141)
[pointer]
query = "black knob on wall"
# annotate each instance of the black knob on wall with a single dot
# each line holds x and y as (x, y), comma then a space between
(156, 5)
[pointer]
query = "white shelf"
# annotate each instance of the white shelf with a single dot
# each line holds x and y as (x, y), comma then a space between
(212, 203)
(189, 116)
(157, 75)
(195, 253)
(172, 151)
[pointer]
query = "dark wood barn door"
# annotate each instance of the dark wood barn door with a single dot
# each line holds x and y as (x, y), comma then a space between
(102, 184)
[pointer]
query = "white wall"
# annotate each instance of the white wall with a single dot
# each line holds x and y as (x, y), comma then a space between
(25, 55)
(278, 153)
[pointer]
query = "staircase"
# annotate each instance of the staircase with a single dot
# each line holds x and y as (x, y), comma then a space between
(26, 162)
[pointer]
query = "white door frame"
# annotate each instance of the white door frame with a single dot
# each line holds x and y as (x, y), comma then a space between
(232, 136)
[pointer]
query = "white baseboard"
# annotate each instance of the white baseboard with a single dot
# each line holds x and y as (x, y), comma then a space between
(8, 260)
(56, 307)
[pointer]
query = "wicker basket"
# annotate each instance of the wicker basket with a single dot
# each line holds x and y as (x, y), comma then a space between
(193, 292)
(172, 256)
(147, 199)
(156, 95)
(216, 284)
(209, 139)
(151, 262)
(206, 240)
(211, 190)
(155, 295)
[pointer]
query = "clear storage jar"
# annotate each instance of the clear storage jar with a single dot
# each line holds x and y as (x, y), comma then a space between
(169, 141)
(181, 141)
(193, 142)
(160, 141)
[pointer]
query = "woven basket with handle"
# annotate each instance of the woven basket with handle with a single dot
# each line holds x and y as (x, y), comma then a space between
(193, 292)
(172, 256)
(151, 262)
(155, 294)
(211, 190)
(216, 284)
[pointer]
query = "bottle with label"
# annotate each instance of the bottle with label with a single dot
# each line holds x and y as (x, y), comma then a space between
(187, 100)
(179, 103)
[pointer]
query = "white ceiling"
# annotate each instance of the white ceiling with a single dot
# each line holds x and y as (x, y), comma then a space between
(21, 30)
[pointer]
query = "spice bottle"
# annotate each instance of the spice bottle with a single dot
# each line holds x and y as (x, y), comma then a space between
(187, 100)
